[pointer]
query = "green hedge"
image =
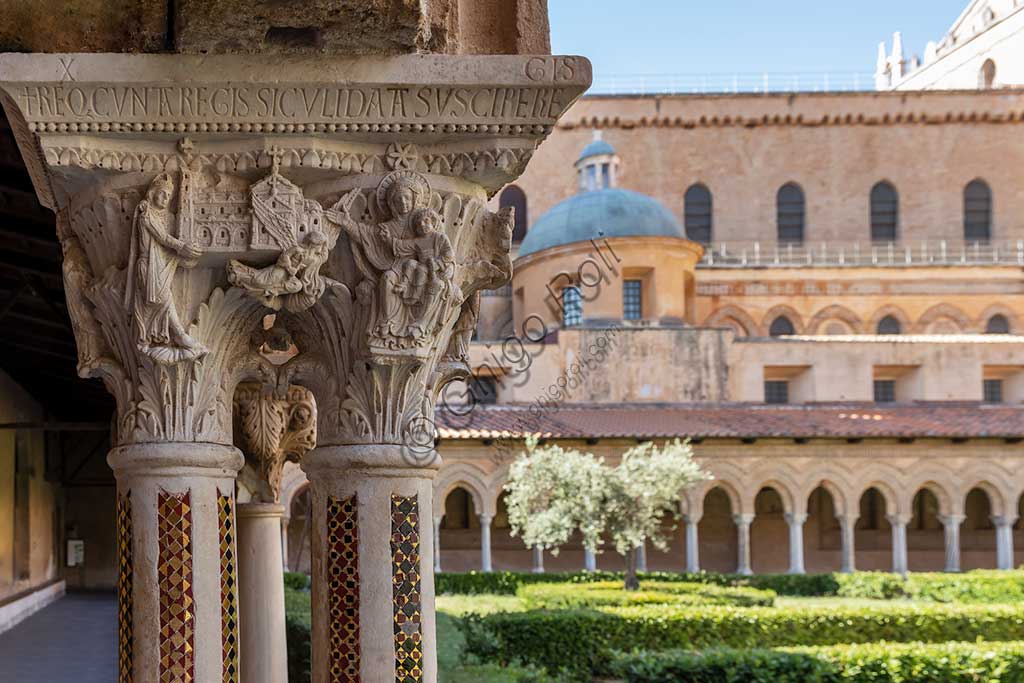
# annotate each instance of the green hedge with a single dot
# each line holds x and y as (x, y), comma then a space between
(873, 663)
(296, 581)
(508, 583)
(297, 633)
(581, 641)
(983, 586)
(612, 594)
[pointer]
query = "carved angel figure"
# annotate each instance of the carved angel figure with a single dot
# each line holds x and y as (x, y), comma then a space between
(78, 281)
(294, 282)
(407, 261)
(152, 263)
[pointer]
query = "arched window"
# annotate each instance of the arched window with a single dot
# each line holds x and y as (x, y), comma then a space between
(987, 75)
(977, 211)
(697, 213)
(997, 324)
(514, 196)
(885, 212)
(889, 325)
(790, 209)
(781, 326)
(572, 306)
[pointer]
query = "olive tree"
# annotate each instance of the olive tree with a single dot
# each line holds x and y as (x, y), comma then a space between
(553, 492)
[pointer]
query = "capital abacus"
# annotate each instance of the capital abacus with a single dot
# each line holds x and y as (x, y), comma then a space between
(139, 103)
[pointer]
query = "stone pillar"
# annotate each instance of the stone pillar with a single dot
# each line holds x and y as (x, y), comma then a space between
(1004, 541)
(796, 542)
(743, 522)
(177, 606)
(899, 542)
(314, 189)
(589, 560)
(641, 558)
(847, 528)
(538, 560)
(692, 545)
(437, 543)
(276, 424)
(261, 593)
(285, 520)
(951, 526)
(485, 543)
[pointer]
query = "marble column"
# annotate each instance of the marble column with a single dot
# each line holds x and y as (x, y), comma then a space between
(898, 524)
(285, 520)
(951, 528)
(796, 542)
(485, 543)
(589, 560)
(847, 539)
(1004, 541)
(437, 544)
(276, 423)
(743, 522)
(538, 560)
(216, 199)
(641, 558)
(692, 544)
(264, 648)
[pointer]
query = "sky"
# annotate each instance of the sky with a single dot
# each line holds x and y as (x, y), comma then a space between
(687, 37)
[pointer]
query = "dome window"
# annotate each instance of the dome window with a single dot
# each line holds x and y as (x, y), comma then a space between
(572, 306)
(514, 196)
(632, 299)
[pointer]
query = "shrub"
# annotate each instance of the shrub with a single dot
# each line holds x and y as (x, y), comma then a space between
(297, 633)
(296, 581)
(581, 641)
(872, 663)
(611, 594)
(507, 583)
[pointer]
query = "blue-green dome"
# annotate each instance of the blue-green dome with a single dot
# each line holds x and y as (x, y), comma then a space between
(611, 212)
(596, 148)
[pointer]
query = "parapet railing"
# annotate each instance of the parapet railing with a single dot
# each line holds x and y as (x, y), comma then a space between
(925, 253)
(725, 83)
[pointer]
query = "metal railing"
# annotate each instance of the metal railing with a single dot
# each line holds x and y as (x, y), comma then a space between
(724, 83)
(925, 253)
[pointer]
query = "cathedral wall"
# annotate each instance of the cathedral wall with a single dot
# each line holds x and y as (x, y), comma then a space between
(929, 145)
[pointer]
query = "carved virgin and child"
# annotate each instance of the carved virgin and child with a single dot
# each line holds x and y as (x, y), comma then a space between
(408, 262)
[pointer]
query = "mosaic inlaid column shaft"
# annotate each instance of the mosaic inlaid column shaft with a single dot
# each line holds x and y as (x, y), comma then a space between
(372, 529)
(176, 629)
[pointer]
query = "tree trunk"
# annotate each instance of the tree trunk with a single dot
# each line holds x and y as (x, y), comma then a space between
(632, 582)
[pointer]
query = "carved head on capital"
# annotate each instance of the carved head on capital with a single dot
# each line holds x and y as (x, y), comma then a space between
(402, 192)
(425, 221)
(160, 191)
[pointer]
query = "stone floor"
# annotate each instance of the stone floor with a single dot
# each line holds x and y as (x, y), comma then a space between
(73, 640)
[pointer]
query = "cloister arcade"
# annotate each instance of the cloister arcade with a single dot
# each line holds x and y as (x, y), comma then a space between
(785, 515)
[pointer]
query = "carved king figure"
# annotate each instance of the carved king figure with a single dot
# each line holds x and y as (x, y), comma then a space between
(154, 259)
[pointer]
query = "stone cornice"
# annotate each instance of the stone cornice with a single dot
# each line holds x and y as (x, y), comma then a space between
(92, 109)
(809, 110)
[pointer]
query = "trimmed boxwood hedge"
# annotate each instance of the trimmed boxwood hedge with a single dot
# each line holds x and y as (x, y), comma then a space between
(982, 586)
(507, 583)
(582, 641)
(871, 663)
(613, 594)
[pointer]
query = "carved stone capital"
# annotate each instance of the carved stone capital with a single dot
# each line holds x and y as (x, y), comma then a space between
(197, 195)
(274, 429)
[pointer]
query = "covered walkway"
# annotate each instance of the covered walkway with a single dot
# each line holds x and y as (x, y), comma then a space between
(73, 640)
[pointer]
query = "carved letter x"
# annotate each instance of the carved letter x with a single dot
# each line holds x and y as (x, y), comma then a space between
(66, 63)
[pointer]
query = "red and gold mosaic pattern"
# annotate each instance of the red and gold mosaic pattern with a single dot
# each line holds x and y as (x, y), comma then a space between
(228, 587)
(125, 580)
(174, 574)
(406, 582)
(343, 588)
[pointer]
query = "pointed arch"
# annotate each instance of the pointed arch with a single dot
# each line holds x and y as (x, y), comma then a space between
(985, 320)
(779, 311)
(785, 489)
(293, 480)
(833, 480)
(889, 311)
(835, 312)
(937, 313)
(997, 498)
(735, 317)
(729, 489)
(468, 477)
